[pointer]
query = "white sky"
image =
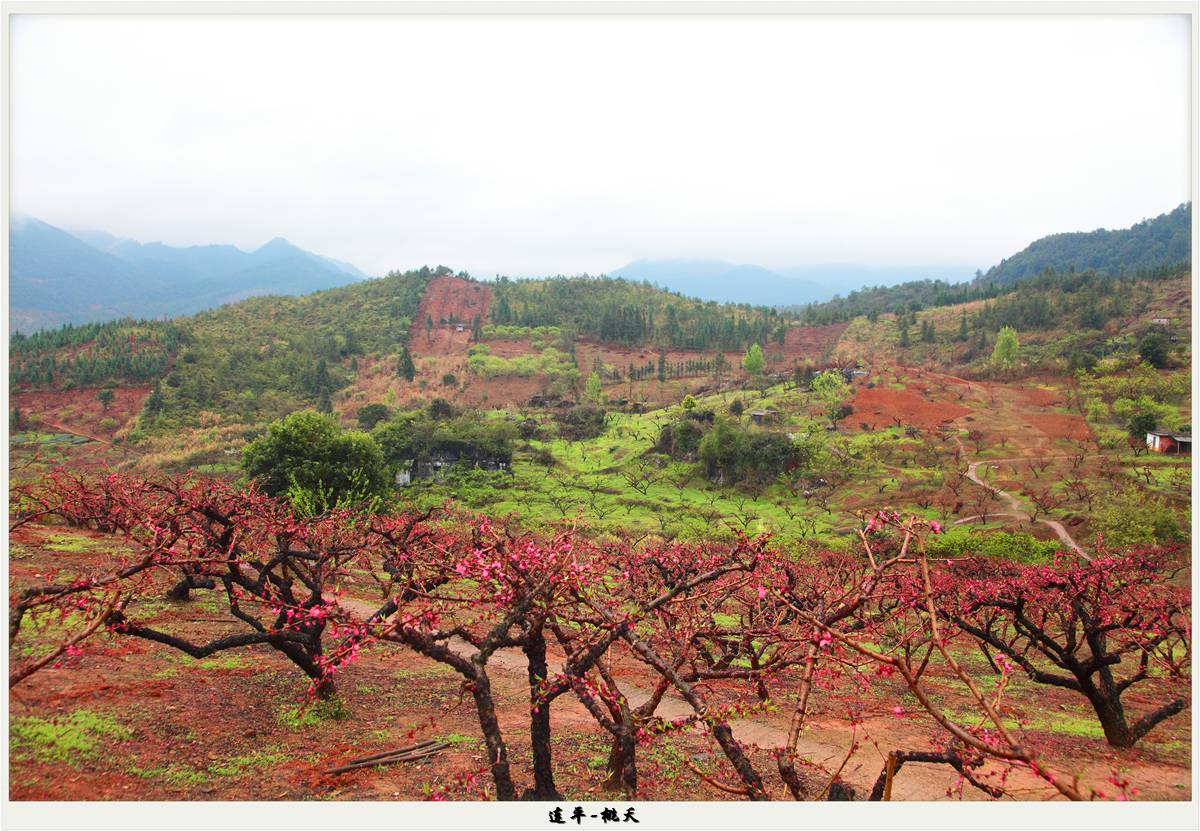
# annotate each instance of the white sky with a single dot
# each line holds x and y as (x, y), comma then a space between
(535, 145)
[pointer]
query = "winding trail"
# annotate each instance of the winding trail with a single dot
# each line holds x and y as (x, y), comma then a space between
(1015, 504)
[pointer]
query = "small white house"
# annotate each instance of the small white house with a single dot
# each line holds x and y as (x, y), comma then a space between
(1163, 442)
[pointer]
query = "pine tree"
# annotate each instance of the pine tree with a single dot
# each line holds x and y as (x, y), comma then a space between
(404, 366)
(754, 362)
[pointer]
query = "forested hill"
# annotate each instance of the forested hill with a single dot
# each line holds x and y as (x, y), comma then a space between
(257, 359)
(1147, 245)
(615, 310)
(1152, 249)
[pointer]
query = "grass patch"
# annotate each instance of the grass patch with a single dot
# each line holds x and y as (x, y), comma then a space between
(74, 543)
(314, 714)
(239, 764)
(232, 662)
(67, 736)
(217, 468)
(173, 775)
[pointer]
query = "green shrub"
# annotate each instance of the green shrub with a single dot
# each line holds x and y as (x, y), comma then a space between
(1016, 545)
(306, 457)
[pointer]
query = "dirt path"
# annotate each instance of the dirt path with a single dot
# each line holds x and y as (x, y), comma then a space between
(918, 782)
(1015, 504)
(89, 436)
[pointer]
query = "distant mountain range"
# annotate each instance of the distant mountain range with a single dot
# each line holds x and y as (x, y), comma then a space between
(1151, 243)
(792, 286)
(56, 277)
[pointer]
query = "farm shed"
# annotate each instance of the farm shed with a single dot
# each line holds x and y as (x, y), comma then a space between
(1163, 442)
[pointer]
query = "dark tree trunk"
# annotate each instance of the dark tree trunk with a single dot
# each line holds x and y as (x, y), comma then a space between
(733, 751)
(481, 690)
(1106, 701)
(539, 720)
(182, 589)
(622, 763)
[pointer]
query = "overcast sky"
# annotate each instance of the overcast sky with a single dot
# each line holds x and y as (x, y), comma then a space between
(536, 145)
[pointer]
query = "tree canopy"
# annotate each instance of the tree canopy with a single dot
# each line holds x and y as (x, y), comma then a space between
(1154, 349)
(1004, 355)
(831, 388)
(754, 362)
(307, 460)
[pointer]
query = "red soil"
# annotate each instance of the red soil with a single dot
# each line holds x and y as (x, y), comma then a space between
(810, 341)
(85, 413)
(448, 296)
(911, 408)
(1041, 397)
(1057, 425)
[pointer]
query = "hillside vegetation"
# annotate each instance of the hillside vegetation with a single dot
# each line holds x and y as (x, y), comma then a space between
(1151, 250)
(596, 537)
(634, 406)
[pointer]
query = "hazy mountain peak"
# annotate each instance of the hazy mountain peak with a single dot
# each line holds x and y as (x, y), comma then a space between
(58, 277)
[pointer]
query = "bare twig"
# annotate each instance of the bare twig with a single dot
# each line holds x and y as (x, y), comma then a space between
(29, 669)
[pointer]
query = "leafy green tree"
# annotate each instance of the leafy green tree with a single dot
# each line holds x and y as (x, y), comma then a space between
(307, 457)
(928, 333)
(830, 387)
(1132, 517)
(404, 366)
(689, 402)
(1004, 355)
(802, 375)
(371, 414)
(321, 382)
(1142, 423)
(1078, 359)
(440, 409)
(153, 404)
(720, 447)
(754, 362)
(593, 391)
(1155, 350)
(105, 397)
